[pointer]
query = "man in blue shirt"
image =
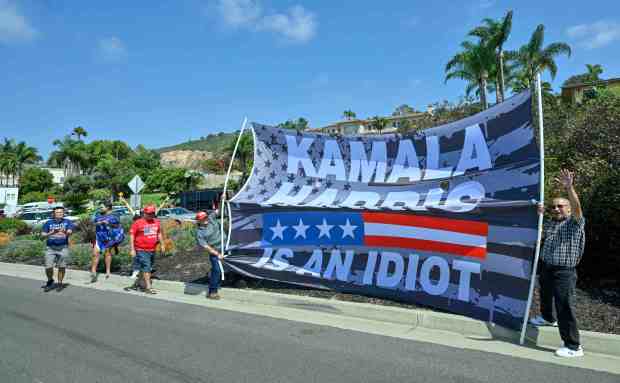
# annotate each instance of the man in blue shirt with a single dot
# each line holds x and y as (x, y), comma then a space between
(109, 234)
(57, 231)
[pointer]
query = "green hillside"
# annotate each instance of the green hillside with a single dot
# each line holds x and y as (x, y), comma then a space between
(214, 143)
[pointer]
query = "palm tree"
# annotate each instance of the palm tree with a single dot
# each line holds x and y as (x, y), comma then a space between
(8, 163)
(349, 114)
(474, 64)
(532, 58)
(71, 155)
(495, 33)
(378, 123)
(24, 154)
(79, 132)
(594, 71)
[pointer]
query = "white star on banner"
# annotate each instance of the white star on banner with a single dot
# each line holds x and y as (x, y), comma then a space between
(347, 229)
(278, 230)
(324, 229)
(300, 229)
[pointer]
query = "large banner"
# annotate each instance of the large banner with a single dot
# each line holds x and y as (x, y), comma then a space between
(444, 217)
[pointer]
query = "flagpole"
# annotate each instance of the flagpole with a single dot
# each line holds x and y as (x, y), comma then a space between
(230, 165)
(541, 142)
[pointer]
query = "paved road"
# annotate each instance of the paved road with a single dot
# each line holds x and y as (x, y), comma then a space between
(85, 335)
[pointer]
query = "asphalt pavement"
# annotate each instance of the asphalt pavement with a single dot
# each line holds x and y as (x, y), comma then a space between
(87, 335)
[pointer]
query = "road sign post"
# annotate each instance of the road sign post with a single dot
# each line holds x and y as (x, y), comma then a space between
(136, 185)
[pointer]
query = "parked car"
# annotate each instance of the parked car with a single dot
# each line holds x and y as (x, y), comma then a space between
(35, 218)
(119, 211)
(179, 214)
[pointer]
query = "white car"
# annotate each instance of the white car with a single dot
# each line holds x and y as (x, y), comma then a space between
(34, 218)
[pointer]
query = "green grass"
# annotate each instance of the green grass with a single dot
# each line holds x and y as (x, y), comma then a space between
(154, 198)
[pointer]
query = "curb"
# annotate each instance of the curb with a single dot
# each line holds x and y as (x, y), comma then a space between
(594, 342)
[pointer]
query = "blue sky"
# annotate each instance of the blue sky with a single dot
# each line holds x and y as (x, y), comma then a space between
(160, 72)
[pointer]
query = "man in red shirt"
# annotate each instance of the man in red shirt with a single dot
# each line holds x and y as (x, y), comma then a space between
(145, 235)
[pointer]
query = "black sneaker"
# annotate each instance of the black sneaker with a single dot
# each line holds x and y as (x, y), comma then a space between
(93, 277)
(61, 286)
(49, 286)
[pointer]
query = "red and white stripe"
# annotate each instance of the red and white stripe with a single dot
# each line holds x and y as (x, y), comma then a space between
(443, 235)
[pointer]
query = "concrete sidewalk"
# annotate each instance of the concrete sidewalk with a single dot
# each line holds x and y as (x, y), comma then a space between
(602, 350)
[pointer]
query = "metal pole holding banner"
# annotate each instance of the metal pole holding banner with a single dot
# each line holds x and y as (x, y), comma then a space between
(540, 215)
(223, 200)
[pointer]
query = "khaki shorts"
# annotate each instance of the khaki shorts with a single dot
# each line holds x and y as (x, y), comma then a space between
(58, 256)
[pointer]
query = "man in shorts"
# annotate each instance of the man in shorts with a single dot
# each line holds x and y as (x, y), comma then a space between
(57, 231)
(146, 233)
(109, 234)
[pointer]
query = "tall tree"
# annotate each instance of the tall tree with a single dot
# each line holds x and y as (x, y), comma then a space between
(473, 64)
(594, 71)
(496, 33)
(79, 132)
(593, 74)
(349, 114)
(71, 155)
(532, 58)
(24, 155)
(378, 123)
(8, 161)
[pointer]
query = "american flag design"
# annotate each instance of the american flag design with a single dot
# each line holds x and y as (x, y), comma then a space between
(375, 229)
(498, 236)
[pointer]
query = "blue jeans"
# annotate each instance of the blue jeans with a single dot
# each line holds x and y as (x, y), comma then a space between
(143, 261)
(215, 277)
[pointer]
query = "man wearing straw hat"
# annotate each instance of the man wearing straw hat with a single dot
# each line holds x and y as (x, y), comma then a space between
(209, 238)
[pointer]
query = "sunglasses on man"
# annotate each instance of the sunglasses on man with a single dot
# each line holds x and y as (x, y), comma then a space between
(558, 206)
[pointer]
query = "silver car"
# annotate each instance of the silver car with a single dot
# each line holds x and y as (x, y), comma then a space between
(179, 214)
(35, 218)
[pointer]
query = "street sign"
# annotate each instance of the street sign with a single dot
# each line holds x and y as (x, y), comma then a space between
(136, 184)
(135, 201)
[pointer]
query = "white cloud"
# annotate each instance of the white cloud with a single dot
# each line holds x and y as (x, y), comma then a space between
(238, 13)
(296, 24)
(112, 49)
(595, 35)
(13, 26)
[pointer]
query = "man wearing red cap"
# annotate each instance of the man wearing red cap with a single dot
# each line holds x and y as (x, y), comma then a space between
(209, 238)
(146, 233)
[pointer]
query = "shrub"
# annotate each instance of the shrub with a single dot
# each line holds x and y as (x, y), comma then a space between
(183, 237)
(33, 196)
(5, 239)
(35, 236)
(21, 251)
(86, 228)
(14, 226)
(80, 255)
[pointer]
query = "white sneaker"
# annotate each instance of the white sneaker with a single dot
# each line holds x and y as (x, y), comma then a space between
(566, 352)
(540, 321)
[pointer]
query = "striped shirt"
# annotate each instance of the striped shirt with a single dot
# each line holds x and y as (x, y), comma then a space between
(564, 241)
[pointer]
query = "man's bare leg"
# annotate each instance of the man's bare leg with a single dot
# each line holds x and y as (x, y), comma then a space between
(94, 263)
(108, 262)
